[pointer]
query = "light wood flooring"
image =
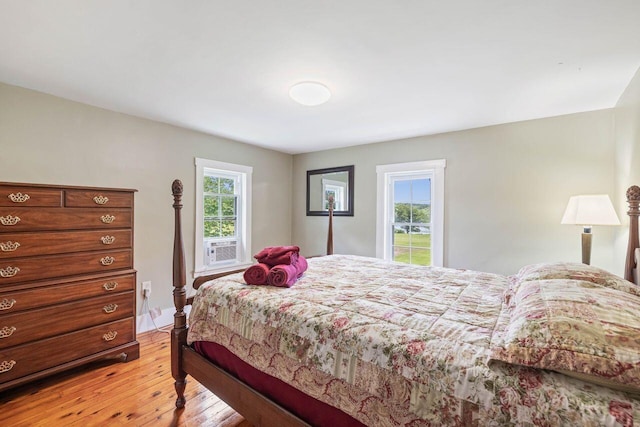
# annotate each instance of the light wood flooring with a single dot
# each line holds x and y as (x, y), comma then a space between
(136, 393)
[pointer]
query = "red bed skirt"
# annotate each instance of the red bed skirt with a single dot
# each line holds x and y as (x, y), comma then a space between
(311, 410)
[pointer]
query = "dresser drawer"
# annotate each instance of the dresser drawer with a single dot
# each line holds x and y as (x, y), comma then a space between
(15, 270)
(14, 245)
(16, 362)
(25, 196)
(24, 219)
(11, 302)
(23, 327)
(97, 199)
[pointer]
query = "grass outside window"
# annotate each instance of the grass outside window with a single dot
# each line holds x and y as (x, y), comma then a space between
(412, 248)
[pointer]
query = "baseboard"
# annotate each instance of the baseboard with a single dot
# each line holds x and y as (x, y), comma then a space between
(164, 321)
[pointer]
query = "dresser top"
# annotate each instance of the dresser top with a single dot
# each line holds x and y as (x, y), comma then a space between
(70, 187)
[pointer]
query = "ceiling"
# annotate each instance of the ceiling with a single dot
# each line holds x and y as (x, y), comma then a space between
(396, 68)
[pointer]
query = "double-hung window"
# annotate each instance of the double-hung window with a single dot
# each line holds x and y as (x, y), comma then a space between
(223, 216)
(410, 214)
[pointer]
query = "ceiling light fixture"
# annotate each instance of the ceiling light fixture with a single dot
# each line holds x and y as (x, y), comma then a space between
(309, 93)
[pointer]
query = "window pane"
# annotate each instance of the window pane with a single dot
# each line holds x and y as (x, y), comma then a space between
(211, 206)
(212, 228)
(412, 218)
(211, 184)
(402, 190)
(401, 254)
(400, 238)
(420, 240)
(421, 190)
(421, 213)
(421, 256)
(228, 205)
(228, 228)
(402, 212)
(227, 185)
(400, 228)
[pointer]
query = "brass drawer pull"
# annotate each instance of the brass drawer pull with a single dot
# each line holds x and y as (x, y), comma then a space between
(9, 271)
(9, 220)
(6, 366)
(107, 240)
(7, 331)
(9, 246)
(6, 304)
(107, 219)
(110, 308)
(108, 260)
(100, 200)
(110, 286)
(110, 336)
(18, 197)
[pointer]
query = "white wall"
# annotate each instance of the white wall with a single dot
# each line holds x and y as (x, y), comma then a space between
(627, 139)
(506, 189)
(45, 139)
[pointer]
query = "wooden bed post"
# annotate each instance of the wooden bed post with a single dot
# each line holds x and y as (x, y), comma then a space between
(179, 331)
(330, 231)
(633, 198)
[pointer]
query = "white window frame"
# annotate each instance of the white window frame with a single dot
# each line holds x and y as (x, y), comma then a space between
(384, 212)
(244, 174)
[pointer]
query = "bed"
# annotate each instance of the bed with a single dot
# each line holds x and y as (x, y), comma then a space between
(554, 344)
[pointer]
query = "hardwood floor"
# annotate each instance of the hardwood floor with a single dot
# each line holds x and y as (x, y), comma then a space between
(137, 393)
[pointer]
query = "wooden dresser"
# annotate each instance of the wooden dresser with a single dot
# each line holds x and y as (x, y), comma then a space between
(67, 284)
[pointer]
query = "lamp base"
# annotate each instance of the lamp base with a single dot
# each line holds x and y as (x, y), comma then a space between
(586, 248)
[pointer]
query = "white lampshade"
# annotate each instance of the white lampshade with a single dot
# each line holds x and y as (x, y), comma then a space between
(590, 210)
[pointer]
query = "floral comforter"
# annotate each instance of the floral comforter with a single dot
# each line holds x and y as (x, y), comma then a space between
(392, 344)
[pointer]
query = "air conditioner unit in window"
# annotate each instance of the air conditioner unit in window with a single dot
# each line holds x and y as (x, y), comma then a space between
(221, 251)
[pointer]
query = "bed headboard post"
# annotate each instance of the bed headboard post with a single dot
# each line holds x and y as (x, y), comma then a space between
(330, 231)
(179, 272)
(633, 198)
(179, 331)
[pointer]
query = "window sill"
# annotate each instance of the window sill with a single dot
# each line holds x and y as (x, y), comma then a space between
(223, 269)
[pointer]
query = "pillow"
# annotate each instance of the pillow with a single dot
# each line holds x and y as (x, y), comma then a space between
(575, 271)
(573, 327)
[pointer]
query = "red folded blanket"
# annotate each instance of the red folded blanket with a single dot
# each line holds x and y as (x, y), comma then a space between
(301, 266)
(276, 255)
(256, 274)
(283, 275)
(277, 266)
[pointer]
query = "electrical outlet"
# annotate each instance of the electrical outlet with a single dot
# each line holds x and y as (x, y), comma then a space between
(146, 289)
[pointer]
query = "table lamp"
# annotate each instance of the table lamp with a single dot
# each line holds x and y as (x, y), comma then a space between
(588, 211)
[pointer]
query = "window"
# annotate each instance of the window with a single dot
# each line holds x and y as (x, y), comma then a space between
(223, 216)
(410, 214)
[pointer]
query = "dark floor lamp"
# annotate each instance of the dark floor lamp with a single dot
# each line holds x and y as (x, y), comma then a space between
(589, 211)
